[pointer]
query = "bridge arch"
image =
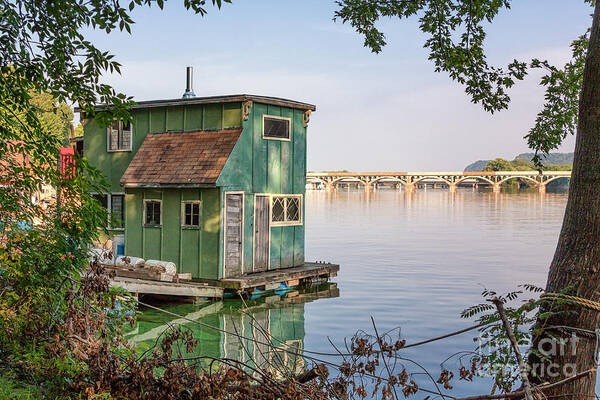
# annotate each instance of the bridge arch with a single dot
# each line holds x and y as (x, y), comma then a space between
(348, 179)
(422, 178)
(314, 179)
(537, 183)
(389, 178)
(486, 180)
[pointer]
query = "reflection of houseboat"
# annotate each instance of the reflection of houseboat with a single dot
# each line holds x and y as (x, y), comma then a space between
(268, 333)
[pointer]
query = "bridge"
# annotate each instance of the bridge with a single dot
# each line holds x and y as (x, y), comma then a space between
(410, 180)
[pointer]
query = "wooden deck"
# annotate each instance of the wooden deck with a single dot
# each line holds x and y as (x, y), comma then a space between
(272, 279)
(196, 291)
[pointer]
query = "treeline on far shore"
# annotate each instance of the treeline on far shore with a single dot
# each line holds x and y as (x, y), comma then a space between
(520, 164)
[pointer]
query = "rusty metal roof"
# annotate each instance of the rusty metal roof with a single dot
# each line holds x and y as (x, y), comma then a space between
(183, 159)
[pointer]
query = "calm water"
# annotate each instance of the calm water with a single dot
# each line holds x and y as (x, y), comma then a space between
(412, 261)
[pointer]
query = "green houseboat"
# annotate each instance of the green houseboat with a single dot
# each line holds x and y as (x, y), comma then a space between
(213, 184)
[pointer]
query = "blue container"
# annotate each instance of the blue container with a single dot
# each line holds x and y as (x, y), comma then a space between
(120, 249)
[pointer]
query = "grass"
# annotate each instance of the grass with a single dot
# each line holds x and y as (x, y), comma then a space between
(13, 389)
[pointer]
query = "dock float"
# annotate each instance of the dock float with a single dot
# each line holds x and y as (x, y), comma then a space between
(196, 291)
(270, 280)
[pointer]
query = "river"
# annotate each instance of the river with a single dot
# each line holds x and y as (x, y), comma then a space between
(412, 261)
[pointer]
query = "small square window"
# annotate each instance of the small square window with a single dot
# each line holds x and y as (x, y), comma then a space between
(191, 214)
(119, 136)
(276, 127)
(152, 213)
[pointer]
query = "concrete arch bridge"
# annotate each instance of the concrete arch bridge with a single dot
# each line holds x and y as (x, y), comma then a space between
(410, 180)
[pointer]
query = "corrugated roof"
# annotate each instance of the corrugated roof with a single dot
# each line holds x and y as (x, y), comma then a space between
(183, 159)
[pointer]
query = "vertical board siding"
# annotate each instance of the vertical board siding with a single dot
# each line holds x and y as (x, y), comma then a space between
(259, 171)
(158, 120)
(174, 119)
(259, 165)
(248, 232)
(261, 233)
(232, 114)
(172, 242)
(213, 116)
(299, 180)
(211, 233)
(193, 118)
(153, 120)
(133, 223)
(171, 226)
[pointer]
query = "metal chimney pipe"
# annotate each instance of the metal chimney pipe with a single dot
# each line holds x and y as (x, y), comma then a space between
(189, 90)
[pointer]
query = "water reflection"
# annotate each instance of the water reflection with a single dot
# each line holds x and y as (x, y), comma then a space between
(410, 260)
(267, 333)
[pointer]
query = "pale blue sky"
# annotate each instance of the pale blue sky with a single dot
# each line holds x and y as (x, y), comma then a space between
(374, 112)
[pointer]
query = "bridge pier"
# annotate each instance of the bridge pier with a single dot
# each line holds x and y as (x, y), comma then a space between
(542, 188)
(409, 188)
(452, 187)
(496, 188)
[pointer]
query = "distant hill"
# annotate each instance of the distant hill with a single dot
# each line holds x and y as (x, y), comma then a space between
(476, 166)
(552, 158)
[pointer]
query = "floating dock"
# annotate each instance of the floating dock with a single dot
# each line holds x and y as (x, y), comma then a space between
(195, 291)
(270, 280)
(214, 289)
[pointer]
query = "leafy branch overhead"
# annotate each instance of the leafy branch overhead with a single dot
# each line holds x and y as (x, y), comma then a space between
(456, 35)
(43, 48)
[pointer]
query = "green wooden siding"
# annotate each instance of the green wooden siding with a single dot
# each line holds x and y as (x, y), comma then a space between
(258, 165)
(192, 250)
(154, 120)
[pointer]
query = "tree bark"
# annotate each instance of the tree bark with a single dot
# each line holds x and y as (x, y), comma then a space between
(576, 264)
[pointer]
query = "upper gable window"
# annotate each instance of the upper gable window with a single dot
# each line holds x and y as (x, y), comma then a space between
(276, 127)
(119, 136)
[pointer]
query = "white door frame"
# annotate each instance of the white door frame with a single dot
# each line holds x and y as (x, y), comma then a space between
(225, 231)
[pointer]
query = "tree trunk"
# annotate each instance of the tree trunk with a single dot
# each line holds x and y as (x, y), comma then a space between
(576, 264)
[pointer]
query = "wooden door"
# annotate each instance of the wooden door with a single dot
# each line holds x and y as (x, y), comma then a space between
(233, 235)
(262, 225)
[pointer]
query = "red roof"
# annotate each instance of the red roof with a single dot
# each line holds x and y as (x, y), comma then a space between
(181, 159)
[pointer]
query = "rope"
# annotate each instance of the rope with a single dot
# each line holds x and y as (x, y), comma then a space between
(583, 302)
(592, 305)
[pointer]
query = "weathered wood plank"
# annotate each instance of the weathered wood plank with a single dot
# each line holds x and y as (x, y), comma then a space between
(283, 275)
(166, 288)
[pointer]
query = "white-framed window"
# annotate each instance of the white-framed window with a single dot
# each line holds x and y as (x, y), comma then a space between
(276, 128)
(152, 213)
(191, 214)
(114, 203)
(286, 210)
(118, 136)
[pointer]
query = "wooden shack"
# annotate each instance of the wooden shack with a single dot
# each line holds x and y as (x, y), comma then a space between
(214, 184)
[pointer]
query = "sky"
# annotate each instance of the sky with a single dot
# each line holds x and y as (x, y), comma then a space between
(375, 112)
